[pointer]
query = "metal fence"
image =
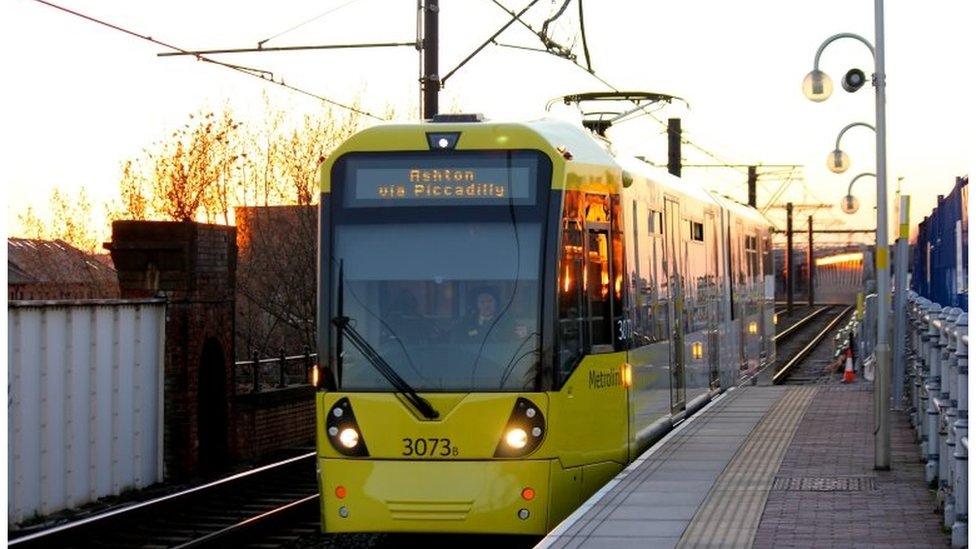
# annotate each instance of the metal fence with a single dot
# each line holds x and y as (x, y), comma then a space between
(264, 374)
(937, 383)
(940, 264)
(85, 401)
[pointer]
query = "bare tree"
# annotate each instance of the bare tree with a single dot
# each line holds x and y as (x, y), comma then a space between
(70, 221)
(277, 241)
(266, 172)
(186, 177)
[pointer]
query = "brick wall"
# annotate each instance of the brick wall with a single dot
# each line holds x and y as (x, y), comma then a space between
(193, 265)
(275, 420)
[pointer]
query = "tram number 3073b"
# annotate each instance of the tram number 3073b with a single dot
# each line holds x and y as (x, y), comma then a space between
(429, 447)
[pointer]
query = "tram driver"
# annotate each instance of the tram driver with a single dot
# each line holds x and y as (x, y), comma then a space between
(484, 319)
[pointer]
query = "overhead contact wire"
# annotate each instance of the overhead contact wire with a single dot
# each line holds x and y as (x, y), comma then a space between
(303, 23)
(256, 73)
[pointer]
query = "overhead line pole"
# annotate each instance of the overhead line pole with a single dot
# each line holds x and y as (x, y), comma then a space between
(810, 260)
(789, 257)
(751, 184)
(674, 146)
(430, 80)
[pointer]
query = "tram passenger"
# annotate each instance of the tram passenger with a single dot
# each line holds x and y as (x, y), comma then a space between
(407, 323)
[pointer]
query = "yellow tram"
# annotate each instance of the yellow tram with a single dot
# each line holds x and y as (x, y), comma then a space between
(508, 314)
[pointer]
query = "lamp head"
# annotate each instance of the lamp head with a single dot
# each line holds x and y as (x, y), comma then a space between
(849, 204)
(837, 161)
(817, 86)
(853, 80)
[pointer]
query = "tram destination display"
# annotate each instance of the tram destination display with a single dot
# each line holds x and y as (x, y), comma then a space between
(409, 179)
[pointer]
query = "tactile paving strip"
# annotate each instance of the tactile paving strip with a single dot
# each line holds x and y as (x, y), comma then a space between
(730, 514)
(825, 484)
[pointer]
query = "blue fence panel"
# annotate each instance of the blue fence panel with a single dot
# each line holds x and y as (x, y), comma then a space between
(940, 261)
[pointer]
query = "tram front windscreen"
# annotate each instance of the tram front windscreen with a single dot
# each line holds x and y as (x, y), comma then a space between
(441, 257)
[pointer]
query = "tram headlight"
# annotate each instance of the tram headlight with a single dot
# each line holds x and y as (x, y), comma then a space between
(342, 430)
(516, 438)
(524, 432)
(349, 437)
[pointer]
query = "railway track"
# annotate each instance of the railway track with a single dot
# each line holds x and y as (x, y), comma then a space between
(269, 506)
(277, 505)
(796, 341)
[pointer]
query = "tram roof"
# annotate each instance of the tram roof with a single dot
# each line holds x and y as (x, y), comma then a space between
(553, 135)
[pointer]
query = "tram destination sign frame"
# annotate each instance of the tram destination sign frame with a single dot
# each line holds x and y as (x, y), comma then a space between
(406, 179)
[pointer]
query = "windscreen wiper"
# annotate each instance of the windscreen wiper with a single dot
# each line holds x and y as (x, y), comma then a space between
(343, 328)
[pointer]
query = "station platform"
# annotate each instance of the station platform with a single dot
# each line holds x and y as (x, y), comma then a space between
(766, 466)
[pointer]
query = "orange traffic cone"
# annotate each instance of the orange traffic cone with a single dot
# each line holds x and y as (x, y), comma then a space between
(849, 367)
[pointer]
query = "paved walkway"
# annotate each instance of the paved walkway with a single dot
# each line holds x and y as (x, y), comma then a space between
(847, 503)
(766, 467)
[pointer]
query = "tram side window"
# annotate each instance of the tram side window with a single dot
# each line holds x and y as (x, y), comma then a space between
(619, 333)
(572, 308)
(752, 258)
(753, 274)
(655, 222)
(650, 305)
(659, 302)
(597, 280)
(603, 270)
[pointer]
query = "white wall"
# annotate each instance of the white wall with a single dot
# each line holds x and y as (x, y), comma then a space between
(85, 402)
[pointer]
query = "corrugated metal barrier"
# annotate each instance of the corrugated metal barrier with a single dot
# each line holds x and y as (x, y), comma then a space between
(85, 401)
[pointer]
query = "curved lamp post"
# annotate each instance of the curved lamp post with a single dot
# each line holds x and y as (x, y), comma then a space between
(837, 160)
(817, 86)
(850, 204)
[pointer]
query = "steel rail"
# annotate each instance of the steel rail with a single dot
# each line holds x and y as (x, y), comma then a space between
(781, 375)
(49, 535)
(799, 324)
(248, 523)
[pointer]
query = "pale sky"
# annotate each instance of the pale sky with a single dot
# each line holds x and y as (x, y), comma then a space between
(79, 98)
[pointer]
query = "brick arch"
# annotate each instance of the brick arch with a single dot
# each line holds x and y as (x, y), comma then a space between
(212, 397)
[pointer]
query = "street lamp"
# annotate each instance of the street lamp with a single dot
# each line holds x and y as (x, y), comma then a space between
(850, 204)
(817, 87)
(837, 160)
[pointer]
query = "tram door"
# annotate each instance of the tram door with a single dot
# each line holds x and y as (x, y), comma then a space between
(713, 298)
(672, 266)
(598, 273)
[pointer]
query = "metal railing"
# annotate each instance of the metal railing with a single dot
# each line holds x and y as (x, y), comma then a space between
(264, 374)
(937, 372)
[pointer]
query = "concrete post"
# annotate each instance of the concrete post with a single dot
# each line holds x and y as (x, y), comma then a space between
(911, 310)
(950, 421)
(932, 386)
(946, 357)
(960, 485)
(918, 371)
(923, 354)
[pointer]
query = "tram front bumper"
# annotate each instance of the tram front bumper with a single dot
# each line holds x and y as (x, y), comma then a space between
(434, 496)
